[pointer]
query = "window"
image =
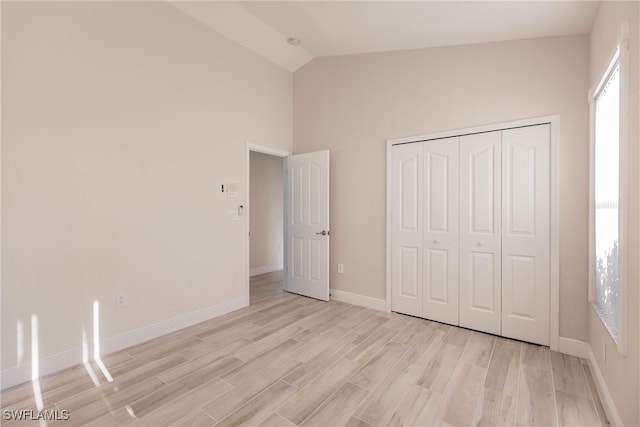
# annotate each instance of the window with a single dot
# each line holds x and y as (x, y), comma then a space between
(607, 197)
(608, 214)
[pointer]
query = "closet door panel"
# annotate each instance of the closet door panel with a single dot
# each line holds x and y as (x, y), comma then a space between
(480, 232)
(525, 233)
(482, 279)
(441, 181)
(407, 229)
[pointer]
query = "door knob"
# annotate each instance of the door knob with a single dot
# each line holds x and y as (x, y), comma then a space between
(323, 233)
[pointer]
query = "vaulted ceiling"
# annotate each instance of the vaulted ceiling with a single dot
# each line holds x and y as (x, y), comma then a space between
(327, 28)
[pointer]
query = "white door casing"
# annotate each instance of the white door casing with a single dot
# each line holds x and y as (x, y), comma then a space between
(406, 223)
(441, 176)
(307, 225)
(525, 233)
(480, 232)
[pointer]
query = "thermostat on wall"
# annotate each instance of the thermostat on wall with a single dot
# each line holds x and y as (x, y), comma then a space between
(232, 189)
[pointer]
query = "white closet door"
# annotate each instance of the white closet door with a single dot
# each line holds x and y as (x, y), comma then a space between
(440, 286)
(525, 234)
(407, 230)
(480, 234)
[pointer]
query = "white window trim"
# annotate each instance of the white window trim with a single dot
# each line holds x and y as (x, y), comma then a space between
(621, 57)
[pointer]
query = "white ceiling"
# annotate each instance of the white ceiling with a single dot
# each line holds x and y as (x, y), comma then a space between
(328, 28)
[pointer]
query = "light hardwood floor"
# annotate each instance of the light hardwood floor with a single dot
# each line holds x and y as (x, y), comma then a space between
(289, 360)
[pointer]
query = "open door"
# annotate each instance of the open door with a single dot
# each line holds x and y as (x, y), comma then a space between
(306, 231)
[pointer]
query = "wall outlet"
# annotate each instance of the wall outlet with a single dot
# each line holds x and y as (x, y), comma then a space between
(121, 300)
(340, 268)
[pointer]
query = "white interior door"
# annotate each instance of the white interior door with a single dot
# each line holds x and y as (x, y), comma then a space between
(525, 233)
(307, 225)
(407, 231)
(440, 289)
(480, 232)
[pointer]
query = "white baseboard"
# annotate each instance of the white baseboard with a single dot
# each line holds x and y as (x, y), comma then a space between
(573, 347)
(57, 362)
(356, 299)
(48, 365)
(603, 391)
(264, 269)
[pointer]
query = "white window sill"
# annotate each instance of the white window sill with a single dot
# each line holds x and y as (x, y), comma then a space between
(603, 315)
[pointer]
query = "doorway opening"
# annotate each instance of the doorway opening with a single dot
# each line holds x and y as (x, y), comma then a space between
(265, 211)
(301, 248)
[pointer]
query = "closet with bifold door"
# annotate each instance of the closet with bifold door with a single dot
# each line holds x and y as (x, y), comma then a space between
(470, 231)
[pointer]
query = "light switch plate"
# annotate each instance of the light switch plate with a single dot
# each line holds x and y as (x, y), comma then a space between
(232, 189)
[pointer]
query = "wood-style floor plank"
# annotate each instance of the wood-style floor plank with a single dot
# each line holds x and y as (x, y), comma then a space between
(504, 367)
(100, 407)
(568, 375)
(276, 420)
(385, 399)
(378, 366)
(418, 408)
(536, 405)
(195, 418)
(536, 356)
(357, 422)
(410, 332)
(116, 417)
(224, 405)
(246, 370)
(77, 400)
(371, 345)
(602, 416)
(575, 410)
(427, 345)
(175, 411)
(311, 369)
(438, 372)
(305, 401)
(478, 349)
(338, 408)
(461, 395)
(259, 408)
(495, 409)
(212, 351)
(288, 360)
(320, 343)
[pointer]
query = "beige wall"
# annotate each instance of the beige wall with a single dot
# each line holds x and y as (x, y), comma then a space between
(120, 122)
(352, 104)
(620, 372)
(266, 204)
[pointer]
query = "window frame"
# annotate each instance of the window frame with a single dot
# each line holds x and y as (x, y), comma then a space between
(620, 59)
